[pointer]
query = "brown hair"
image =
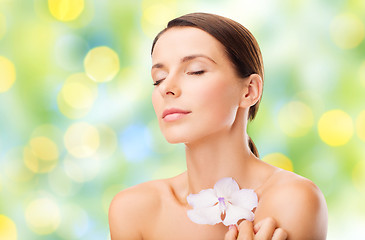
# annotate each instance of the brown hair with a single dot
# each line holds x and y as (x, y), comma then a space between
(240, 45)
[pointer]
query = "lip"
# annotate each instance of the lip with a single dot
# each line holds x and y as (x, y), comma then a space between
(178, 113)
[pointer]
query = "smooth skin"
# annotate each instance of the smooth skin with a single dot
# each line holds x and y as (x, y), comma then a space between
(191, 72)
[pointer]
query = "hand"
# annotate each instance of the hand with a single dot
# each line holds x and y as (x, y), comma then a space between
(266, 229)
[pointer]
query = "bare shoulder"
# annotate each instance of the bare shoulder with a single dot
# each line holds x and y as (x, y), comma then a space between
(297, 204)
(132, 208)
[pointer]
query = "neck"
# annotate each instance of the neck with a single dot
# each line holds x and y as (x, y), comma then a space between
(226, 154)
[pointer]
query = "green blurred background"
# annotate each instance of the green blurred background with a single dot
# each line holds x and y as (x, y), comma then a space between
(77, 123)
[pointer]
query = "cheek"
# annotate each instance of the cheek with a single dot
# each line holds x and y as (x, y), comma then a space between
(155, 101)
(220, 99)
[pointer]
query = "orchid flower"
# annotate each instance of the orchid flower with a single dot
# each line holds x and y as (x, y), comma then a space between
(225, 203)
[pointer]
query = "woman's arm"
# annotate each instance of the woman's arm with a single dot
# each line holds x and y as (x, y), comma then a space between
(122, 222)
(131, 210)
(298, 207)
(294, 211)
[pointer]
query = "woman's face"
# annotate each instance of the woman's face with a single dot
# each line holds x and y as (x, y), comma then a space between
(197, 91)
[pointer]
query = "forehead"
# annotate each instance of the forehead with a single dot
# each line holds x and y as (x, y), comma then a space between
(182, 41)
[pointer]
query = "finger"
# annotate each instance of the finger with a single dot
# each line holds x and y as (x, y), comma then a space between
(232, 233)
(245, 231)
(257, 226)
(265, 229)
(279, 234)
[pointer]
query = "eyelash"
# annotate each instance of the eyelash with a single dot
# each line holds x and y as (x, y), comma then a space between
(189, 73)
(197, 72)
(157, 82)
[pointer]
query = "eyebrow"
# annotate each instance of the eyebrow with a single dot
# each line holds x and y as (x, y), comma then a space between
(186, 59)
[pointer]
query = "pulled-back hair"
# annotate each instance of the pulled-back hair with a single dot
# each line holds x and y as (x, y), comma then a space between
(240, 45)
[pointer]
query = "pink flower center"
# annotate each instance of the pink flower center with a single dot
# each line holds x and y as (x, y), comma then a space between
(222, 204)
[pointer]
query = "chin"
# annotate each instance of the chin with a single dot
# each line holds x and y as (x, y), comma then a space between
(182, 136)
(175, 139)
(176, 133)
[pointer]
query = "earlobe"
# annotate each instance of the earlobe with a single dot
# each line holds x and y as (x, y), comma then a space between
(252, 91)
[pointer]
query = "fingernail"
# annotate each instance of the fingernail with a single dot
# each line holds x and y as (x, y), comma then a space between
(230, 227)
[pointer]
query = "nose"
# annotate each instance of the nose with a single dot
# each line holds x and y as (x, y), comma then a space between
(170, 86)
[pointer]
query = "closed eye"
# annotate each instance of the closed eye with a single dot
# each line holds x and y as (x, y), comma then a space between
(189, 73)
(157, 82)
(196, 73)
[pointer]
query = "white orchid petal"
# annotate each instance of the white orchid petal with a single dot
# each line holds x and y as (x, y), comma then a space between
(234, 214)
(209, 215)
(209, 204)
(244, 198)
(205, 198)
(226, 187)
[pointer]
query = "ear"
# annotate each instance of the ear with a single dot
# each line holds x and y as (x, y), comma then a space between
(252, 91)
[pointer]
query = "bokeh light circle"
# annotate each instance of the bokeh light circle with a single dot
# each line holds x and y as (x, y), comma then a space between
(82, 140)
(43, 216)
(135, 141)
(77, 96)
(295, 119)
(44, 148)
(347, 30)
(41, 155)
(79, 91)
(101, 64)
(360, 125)
(279, 160)
(66, 10)
(335, 127)
(7, 74)
(155, 15)
(7, 228)
(69, 111)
